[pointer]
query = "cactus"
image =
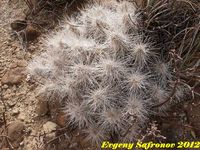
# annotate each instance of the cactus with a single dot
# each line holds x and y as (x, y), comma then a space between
(101, 68)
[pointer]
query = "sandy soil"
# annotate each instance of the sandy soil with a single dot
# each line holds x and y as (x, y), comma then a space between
(18, 94)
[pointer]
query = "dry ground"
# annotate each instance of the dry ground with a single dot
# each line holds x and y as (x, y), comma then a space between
(18, 95)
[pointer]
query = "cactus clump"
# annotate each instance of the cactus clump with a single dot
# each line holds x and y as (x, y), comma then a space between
(104, 71)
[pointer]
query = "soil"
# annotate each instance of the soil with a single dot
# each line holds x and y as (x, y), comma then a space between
(18, 94)
(19, 105)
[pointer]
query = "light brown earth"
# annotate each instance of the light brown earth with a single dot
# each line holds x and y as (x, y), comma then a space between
(17, 94)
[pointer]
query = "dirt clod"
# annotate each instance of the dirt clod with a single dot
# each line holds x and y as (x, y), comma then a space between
(16, 132)
(49, 128)
(13, 76)
(22, 117)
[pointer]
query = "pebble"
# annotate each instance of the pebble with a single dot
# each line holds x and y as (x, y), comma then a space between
(29, 130)
(13, 76)
(21, 144)
(11, 103)
(19, 63)
(9, 91)
(22, 117)
(1, 108)
(48, 128)
(15, 132)
(7, 96)
(5, 86)
(15, 112)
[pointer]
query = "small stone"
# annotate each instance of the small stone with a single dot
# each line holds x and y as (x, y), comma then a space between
(7, 96)
(13, 76)
(19, 63)
(5, 86)
(21, 144)
(14, 88)
(11, 103)
(48, 128)
(14, 65)
(15, 112)
(22, 117)
(29, 130)
(15, 132)
(28, 121)
(1, 109)
(8, 91)
(22, 63)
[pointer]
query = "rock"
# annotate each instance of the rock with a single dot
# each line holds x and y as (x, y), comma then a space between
(1, 109)
(21, 144)
(22, 63)
(14, 65)
(14, 88)
(9, 91)
(15, 133)
(11, 102)
(15, 112)
(5, 86)
(13, 76)
(22, 117)
(48, 128)
(19, 63)
(29, 130)
(7, 96)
